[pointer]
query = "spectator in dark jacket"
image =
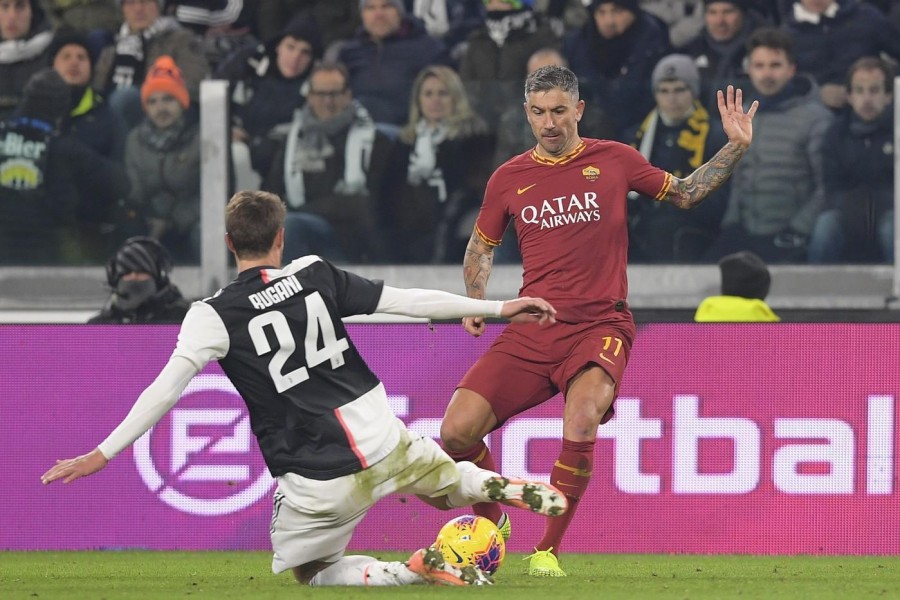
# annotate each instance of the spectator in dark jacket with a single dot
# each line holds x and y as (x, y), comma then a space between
(267, 86)
(858, 225)
(613, 55)
(138, 275)
(386, 56)
(89, 120)
(829, 35)
(719, 51)
(439, 168)
(497, 53)
(47, 179)
(25, 37)
(330, 171)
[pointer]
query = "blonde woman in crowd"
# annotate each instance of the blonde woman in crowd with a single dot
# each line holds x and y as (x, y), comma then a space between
(439, 168)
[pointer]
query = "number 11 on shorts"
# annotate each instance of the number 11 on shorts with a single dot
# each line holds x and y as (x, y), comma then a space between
(607, 343)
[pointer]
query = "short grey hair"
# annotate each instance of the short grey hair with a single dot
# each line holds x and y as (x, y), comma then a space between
(552, 77)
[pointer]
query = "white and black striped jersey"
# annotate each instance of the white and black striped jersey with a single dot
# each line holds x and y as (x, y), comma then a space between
(315, 407)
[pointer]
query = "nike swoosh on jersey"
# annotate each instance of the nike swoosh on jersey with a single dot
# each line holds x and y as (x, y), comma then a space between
(521, 191)
(603, 356)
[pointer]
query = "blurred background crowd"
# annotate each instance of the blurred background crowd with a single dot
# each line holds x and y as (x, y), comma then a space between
(380, 121)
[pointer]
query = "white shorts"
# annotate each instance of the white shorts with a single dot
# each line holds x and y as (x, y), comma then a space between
(313, 520)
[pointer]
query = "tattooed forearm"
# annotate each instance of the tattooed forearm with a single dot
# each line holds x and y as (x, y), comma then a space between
(693, 189)
(477, 265)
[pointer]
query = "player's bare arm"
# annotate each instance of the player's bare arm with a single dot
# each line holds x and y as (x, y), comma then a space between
(693, 189)
(738, 125)
(477, 265)
(71, 469)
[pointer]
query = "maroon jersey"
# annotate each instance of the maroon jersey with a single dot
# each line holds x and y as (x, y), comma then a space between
(570, 217)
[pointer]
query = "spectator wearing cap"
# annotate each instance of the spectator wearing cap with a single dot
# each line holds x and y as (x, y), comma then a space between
(268, 84)
(141, 291)
(385, 57)
(497, 53)
(162, 155)
(89, 119)
(25, 37)
(719, 49)
(613, 55)
(744, 286)
(143, 37)
(830, 35)
(677, 136)
(48, 179)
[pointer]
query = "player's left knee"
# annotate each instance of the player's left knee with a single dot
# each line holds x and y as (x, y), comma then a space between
(451, 440)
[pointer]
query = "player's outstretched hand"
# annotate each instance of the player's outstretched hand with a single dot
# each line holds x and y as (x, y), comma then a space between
(528, 310)
(71, 469)
(738, 124)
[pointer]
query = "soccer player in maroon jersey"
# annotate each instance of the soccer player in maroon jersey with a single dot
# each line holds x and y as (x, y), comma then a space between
(567, 198)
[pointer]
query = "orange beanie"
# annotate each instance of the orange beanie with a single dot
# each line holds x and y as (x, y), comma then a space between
(165, 76)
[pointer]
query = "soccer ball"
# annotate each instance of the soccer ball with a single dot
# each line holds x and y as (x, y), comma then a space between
(472, 540)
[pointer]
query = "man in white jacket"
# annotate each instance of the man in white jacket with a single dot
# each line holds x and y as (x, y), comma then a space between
(320, 416)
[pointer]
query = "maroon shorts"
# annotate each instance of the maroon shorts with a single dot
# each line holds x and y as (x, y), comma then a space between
(529, 364)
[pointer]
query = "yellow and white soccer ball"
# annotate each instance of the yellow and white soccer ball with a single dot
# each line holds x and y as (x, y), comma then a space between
(472, 540)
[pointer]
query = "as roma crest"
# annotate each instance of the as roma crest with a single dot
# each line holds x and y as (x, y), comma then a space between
(591, 173)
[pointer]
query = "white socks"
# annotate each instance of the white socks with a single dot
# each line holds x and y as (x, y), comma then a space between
(470, 489)
(365, 570)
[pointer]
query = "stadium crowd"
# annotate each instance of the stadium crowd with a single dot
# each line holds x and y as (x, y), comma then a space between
(380, 121)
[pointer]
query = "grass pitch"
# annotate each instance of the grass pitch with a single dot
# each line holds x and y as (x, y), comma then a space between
(112, 575)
